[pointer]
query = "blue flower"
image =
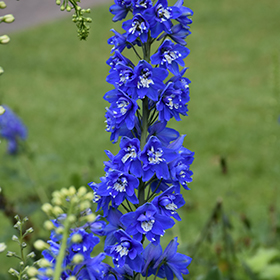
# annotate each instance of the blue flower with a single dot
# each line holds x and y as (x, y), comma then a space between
(146, 81)
(172, 103)
(135, 28)
(170, 56)
(173, 263)
(126, 251)
(118, 186)
(122, 107)
(118, 58)
(12, 129)
(120, 9)
(141, 5)
(186, 12)
(119, 41)
(160, 17)
(127, 158)
(155, 158)
(146, 221)
(168, 202)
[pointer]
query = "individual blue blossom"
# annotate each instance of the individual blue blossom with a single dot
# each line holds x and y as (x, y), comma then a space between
(160, 17)
(118, 58)
(141, 5)
(127, 158)
(12, 129)
(172, 262)
(181, 82)
(180, 168)
(118, 186)
(121, 75)
(114, 224)
(120, 9)
(163, 133)
(126, 251)
(123, 108)
(168, 202)
(137, 27)
(151, 254)
(172, 103)
(155, 158)
(147, 221)
(169, 56)
(186, 12)
(118, 41)
(178, 34)
(146, 81)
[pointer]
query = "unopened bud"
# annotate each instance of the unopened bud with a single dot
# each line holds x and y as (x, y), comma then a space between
(47, 207)
(10, 254)
(31, 255)
(3, 247)
(1, 70)
(78, 258)
(72, 278)
(4, 39)
(62, 8)
(44, 263)
(15, 238)
(64, 192)
(56, 201)
(30, 230)
(49, 272)
(84, 205)
(2, 5)
(25, 219)
(89, 19)
(72, 219)
(59, 230)
(23, 245)
(8, 18)
(90, 218)
(68, 8)
(58, 2)
(32, 271)
(40, 245)
(2, 110)
(82, 191)
(76, 238)
(48, 225)
(89, 196)
(57, 211)
(13, 272)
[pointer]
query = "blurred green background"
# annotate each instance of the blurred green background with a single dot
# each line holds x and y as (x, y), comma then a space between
(56, 83)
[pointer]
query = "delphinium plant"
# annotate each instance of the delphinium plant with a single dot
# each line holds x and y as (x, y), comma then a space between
(141, 191)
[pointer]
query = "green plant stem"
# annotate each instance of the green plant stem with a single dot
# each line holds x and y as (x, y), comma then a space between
(59, 260)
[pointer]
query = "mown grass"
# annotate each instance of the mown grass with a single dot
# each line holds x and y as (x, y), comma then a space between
(56, 84)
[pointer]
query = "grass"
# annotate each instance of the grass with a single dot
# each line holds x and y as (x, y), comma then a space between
(56, 84)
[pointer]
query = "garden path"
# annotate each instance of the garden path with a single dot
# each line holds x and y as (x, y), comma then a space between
(29, 13)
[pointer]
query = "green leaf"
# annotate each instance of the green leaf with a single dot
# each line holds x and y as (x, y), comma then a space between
(214, 273)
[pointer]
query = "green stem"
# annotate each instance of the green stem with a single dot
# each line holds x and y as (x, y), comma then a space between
(59, 260)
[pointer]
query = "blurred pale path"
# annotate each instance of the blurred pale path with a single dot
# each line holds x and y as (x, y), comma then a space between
(28, 13)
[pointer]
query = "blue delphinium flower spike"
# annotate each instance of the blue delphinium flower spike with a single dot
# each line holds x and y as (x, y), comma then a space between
(12, 129)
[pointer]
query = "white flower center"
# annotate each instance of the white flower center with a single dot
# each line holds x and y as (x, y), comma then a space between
(122, 105)
(171, 206)
(155, 156)
(137, 26)
(147, 226)
(120, 185)
(123, 251)
(163, 14)
(131, 153)
(169, 56)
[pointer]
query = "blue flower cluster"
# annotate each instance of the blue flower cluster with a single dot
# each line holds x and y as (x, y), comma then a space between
(12, 129)
(141, 191)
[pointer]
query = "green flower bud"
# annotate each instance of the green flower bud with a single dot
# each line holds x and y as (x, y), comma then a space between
(1, 70)
(48, 225)
(72, 278)
(62, 8)
(56, 201)
(57, 211)
(2, 110)
(89, 19)
(84, 205)
(4, 39)
(88, 11)
(59, 230)
(44, 263)
(58, 2)
(32, 271)
(2, 5)
(8, 18)
(90, 218)
(47, 208)
(30, 230)
(72, 191)
(82, 191)
(3, 247)
(31, 255)
(72, 219)
(10, 254)
(40, 245)
(15, 238)
(49, 272)
(78, 258)
(76, 238)
(23, 245)
(25, 219)
(13, 272)
(68, 8)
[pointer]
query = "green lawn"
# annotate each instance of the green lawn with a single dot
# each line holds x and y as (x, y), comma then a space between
(56, 83)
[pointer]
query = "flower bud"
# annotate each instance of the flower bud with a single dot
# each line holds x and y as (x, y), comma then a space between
(49, 272)
(84, 205)
(90, 218)
(72, 219)
(29, 230)
(3, 247)
(47, 208)
(78, 258)
(15, 238)
(1, 70)
(10, 254)
(44, 263)
(68, 8)
(13, 272)
(64, 192)
(82, 191)
(32, 271)
(31, 255)
(57, 211)
(40, 245)
(58, 2)
(76, 238)
(62, 8)
(2, 110)
(8, 18)
(89, 196)
(48, 225)
(2, 5)
(4, 39)
(72, 278)
(56, 201)
(23, 245)
(59, 230)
